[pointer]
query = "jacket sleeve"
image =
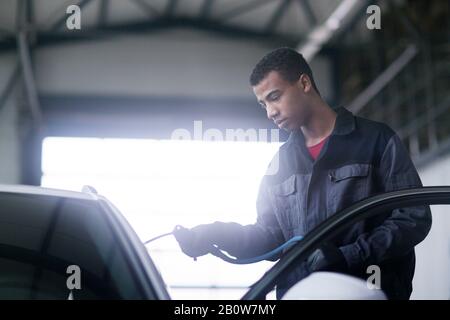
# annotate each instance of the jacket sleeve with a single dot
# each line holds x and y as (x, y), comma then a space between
(404, 227)
(246, 241)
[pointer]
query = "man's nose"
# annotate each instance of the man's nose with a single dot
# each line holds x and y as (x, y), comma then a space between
(271, 112)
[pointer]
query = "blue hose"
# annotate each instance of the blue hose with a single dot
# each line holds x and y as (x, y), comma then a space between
(218, 253)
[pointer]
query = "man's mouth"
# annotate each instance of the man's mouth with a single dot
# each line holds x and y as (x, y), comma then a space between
(279, 122)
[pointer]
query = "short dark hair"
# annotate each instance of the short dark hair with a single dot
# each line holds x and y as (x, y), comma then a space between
(287, 61)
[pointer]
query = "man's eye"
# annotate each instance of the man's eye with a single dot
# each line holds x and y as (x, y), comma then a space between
(275, 97)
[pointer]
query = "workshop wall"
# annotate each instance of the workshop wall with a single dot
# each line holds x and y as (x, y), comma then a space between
(9, 139)
(175, 63)
(432, 278)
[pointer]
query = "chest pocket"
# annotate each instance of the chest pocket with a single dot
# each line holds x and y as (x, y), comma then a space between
(347, 185)
(287, 204)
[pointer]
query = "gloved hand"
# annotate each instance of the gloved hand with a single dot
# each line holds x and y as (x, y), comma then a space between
(327, 258)
(197, 241)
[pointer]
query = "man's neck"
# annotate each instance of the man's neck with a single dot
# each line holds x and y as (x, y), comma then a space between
(320, 124)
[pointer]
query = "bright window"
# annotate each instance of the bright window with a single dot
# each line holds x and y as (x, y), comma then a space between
(158, 184)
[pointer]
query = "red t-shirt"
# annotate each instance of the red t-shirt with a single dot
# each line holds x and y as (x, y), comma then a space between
(314, 150)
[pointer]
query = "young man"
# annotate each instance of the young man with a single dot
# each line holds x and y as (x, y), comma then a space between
(331, 160)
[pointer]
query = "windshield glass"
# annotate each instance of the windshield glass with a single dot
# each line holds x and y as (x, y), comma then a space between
(60, 248)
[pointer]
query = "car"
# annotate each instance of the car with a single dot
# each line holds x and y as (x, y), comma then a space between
(366, 208)
(57, 244)
(49, 238)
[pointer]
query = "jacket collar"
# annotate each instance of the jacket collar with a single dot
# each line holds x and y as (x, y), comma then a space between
(345, 124)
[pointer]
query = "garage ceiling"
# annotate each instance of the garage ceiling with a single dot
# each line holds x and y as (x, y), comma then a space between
(288, 21)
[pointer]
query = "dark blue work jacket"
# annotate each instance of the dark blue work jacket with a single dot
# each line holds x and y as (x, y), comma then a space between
(361, 158)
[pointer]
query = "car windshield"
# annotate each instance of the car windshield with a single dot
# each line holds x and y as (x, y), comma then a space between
(60, 248)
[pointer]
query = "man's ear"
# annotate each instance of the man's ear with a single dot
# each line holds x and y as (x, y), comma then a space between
(305, 83)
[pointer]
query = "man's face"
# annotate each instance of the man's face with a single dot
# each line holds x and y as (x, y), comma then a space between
(285, 103)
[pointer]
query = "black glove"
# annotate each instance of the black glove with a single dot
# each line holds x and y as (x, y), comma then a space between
(197, 241)
(327, 258)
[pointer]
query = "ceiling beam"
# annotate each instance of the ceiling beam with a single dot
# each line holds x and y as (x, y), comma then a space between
(8, 89)
(62, 20)
(30, 14)
(305, 5)
(383, 79)
(206, 9)
(170, 8)
(343, 16)
(46, 38)
(23, 47)
(103, 10)
(276, 16)
(147, 7)
(243, 8)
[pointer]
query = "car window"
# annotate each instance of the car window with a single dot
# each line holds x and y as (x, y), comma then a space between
(45, 241)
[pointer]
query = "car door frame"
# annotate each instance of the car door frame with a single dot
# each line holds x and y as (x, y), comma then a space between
(148, 278)
(369, 207)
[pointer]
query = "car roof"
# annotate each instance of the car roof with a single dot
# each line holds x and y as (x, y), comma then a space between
(35, 190)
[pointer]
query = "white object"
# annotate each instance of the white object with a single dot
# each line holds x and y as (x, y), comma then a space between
(332, 286)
